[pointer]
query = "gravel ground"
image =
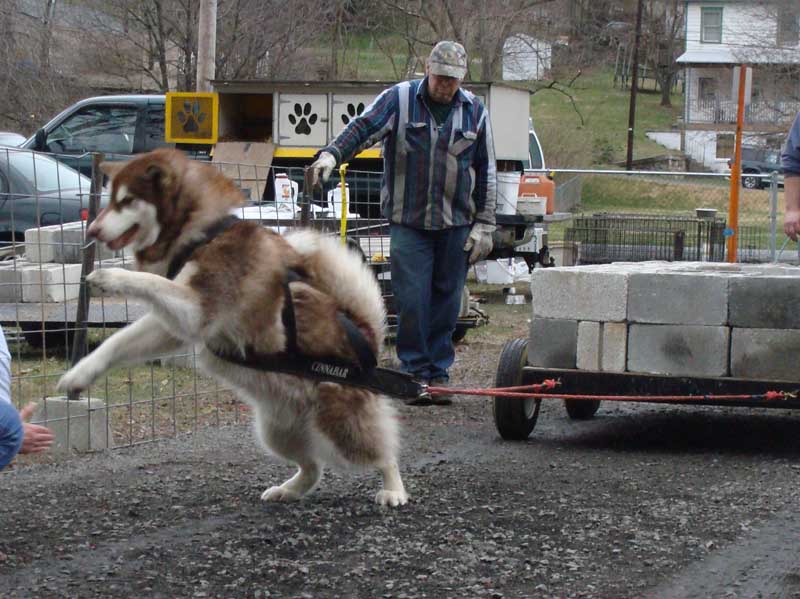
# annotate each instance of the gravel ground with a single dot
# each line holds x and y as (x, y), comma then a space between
(641, 501)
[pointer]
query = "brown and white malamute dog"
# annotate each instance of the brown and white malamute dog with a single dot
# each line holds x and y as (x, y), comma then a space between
(227, 295)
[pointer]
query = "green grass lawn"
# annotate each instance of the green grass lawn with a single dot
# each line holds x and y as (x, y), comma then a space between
(602, 137)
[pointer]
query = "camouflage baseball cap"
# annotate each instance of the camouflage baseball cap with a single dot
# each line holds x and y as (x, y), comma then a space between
(448, 59)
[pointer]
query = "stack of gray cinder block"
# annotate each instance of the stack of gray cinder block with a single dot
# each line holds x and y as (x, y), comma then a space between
(50, 269)
(684, 319)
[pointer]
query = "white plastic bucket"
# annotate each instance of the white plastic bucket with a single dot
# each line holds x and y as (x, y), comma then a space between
(507, 192)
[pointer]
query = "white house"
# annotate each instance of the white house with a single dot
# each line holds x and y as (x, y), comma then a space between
(720, 36)
(525, 58)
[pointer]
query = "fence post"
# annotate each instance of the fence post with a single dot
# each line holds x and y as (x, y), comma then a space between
(87, 265)
(773, 214)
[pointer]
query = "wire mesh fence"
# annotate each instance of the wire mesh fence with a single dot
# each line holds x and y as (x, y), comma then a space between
(45, 204)
(44, 220)
(673, 216)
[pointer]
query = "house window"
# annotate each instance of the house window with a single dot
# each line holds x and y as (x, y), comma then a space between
(725, 144)
(711, 25)
(788, 26)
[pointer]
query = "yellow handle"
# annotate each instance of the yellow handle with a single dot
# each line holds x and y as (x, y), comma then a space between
(343, 221)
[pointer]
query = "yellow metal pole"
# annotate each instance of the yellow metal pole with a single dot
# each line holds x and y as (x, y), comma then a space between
(343, 221)
(736, 172)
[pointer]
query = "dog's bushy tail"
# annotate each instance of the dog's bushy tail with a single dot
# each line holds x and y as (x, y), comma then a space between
(343, 273)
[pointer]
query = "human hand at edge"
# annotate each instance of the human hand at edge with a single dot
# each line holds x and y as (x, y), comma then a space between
(36, 438)
(791, 224)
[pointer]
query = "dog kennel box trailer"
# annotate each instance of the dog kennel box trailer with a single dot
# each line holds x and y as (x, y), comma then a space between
(289, 122)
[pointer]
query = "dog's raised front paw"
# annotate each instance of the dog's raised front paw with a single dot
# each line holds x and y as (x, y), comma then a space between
(279, 494)
(76, 379)
(391, 498)
(108, 281)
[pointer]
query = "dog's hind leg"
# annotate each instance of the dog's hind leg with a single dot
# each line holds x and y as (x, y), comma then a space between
(393, 492)
(305, 479)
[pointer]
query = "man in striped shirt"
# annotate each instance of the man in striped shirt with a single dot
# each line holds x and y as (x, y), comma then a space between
(438, 192)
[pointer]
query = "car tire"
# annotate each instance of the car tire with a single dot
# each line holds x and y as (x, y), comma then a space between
(514, 418)
(751, 182)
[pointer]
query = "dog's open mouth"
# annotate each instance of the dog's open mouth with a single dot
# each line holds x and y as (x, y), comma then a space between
(124, 239)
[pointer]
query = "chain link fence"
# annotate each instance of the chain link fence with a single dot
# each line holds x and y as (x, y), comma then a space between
(45, 206)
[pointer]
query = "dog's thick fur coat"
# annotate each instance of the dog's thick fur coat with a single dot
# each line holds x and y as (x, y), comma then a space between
(229, 296)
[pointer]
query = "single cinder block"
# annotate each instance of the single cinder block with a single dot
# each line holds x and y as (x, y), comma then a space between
(50, 282)
(10, 281)
(769, 354)
(589, 347)
(678, 298)
(79, 425)
(553, 343)
(683, 350)
(581, 293)
(62, 244)
(764, 302)
(614, 346)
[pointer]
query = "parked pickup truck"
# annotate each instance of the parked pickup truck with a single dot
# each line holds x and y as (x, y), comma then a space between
(118, 126)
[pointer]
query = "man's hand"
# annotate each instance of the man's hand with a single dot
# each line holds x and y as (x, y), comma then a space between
(479, 242)
(322, 167)
(791, 215)
(791, 223)
(35, 438)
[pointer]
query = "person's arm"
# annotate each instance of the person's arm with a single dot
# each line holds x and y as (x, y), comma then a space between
(368, 128)
(791, 216)
(485, 174)
(35, 438)
(791, 191)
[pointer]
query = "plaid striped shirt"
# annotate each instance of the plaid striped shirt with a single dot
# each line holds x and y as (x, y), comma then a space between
(434, 177)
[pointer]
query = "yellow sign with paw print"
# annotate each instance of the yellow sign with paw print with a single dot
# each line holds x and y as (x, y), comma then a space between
(191, 117)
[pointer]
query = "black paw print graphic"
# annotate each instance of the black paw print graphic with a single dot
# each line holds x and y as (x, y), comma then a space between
(302, 119)
(191, 117)
(352, 112)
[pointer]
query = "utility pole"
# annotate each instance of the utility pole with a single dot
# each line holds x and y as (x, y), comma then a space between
(634, 85)
(206, 44)
(732, 231)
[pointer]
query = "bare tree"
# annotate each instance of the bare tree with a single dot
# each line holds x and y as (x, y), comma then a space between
(481, 26)
(664, 42)
(48, 18)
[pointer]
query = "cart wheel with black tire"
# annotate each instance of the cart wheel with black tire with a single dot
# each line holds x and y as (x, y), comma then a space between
(514, 418)
(581, 409)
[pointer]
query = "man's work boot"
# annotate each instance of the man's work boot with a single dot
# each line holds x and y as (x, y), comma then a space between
(420, 400)
(439, 399)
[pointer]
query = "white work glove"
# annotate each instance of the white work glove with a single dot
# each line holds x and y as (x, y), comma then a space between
(323, 166)
(479, 242)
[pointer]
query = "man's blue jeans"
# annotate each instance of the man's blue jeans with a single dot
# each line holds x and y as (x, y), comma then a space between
(11, 433)
(428, 273)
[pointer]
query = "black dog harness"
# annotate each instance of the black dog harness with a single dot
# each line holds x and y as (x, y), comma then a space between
(365, 374)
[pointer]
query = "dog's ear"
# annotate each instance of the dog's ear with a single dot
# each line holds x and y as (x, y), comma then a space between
(110, 169)
(161, 176)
